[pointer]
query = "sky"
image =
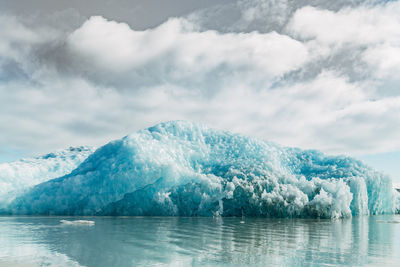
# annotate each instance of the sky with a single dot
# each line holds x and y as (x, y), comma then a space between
(313, 74)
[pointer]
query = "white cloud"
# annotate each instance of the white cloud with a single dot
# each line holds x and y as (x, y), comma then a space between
(373, 30)
(385, 59)
(322, 82)
(350, 26)
(175, 52)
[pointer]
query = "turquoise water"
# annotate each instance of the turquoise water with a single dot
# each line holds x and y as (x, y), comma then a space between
(178, 241)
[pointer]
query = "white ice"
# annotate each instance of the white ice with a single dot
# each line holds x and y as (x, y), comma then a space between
(19, 176)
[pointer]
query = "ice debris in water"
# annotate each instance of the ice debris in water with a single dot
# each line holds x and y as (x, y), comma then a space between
(78, 222)
(16, 177)
(184, 169)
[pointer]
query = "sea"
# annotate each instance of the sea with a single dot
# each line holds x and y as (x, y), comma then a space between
(198, 241)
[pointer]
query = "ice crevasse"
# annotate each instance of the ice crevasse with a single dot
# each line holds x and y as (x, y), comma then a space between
(184, 169)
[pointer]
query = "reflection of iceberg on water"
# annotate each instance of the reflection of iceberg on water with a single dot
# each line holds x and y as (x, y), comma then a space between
(184, 169)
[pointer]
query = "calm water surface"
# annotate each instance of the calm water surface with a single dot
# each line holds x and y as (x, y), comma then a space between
(172, 241)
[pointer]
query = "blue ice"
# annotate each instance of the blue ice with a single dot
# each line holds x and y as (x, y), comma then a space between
(185, 169)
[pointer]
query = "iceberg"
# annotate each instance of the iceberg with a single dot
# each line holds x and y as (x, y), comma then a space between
(19, 176)
(184, 169)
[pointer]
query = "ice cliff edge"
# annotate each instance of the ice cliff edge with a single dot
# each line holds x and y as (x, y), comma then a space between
(184, 169)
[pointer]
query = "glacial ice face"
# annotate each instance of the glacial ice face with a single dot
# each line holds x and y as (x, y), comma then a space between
(397, 202)
(17, 177)
(180, 168)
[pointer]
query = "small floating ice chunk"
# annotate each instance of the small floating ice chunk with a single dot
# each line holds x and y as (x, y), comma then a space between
(77, 222)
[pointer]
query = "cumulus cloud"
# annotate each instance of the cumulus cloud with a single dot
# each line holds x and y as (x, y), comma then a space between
(175, 52)
(373, 30)
(351, 26)
(386, 59)
(320, 76)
